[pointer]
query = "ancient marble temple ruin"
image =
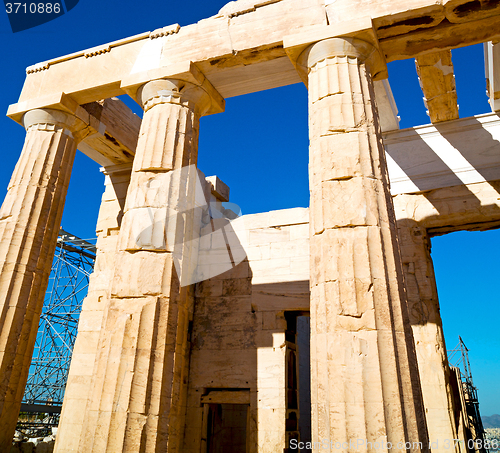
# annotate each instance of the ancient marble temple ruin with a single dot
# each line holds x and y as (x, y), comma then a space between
(194, 334)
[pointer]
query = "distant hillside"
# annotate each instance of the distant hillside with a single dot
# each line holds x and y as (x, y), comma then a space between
(493, 421)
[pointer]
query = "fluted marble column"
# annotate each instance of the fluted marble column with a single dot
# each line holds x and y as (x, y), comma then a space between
(364, 382)
(30, 218)
(425, 319)
(140, 374)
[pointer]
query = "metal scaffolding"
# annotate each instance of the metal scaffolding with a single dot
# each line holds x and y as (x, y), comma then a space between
(474, 425)
(68, 283)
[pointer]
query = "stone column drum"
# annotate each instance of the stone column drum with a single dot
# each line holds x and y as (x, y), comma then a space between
(30, 219)
(365, 388)
(137, 402)
(425, 319)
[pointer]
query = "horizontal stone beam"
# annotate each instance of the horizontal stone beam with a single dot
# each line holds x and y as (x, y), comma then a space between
(116, 140)
(237, 61)
(469, 207)
(464, 151)
(218, 46)
(442, 37)
(437, 80)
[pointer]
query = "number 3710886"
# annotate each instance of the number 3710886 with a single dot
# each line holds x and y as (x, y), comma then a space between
(33, 8)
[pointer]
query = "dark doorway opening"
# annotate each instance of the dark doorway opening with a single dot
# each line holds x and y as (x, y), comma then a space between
(227, 428)
(298, 381)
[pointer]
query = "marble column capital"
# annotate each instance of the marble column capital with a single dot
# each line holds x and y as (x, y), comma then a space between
(52, 120)
(180, 84)
(174, 91)
(336, 47)
(355, 39)
(339, 48)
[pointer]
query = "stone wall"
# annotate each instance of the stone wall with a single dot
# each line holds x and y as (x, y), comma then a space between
(238, 348)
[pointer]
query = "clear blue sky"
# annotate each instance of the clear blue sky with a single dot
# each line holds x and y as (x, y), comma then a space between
(258, 146)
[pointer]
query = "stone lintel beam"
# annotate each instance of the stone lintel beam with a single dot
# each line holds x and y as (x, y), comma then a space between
(238, 62)
(113, 128)
(115, 141)
(492, 67)
(401, 17)
(445, 154)
(437, 80)
(472, 207)
(442, 37)
(407, 29)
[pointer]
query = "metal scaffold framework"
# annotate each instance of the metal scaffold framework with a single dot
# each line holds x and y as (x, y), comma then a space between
(459, 356)
(68, 283)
